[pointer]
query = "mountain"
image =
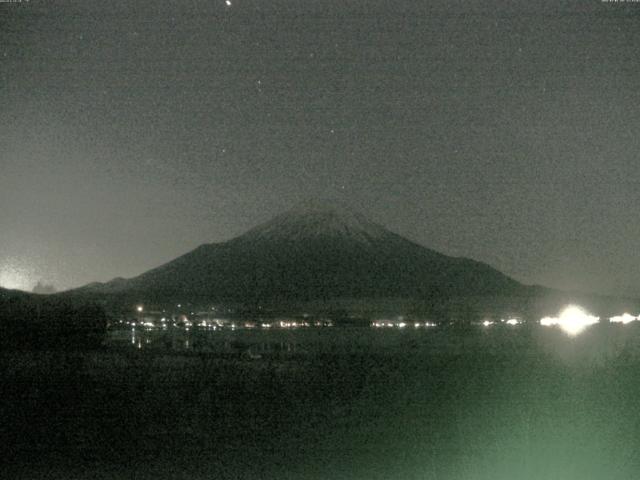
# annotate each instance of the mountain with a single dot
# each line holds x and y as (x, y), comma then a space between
(316, 251)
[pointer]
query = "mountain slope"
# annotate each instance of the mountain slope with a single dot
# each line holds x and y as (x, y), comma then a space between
(316, 251)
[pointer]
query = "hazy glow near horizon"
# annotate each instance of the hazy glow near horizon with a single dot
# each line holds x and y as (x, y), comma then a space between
(572, 320)
(14, 277)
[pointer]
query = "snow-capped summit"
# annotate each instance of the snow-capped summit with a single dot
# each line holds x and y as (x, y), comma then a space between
(317, 219)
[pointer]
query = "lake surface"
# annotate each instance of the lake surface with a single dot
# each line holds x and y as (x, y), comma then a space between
(329, 403)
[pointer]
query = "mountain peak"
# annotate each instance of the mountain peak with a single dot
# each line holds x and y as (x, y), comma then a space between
(315, 219)
(321, 206)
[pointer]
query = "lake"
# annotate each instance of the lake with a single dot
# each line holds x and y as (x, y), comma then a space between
(522, 402)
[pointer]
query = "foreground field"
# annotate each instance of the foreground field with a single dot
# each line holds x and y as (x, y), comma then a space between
(343, 404)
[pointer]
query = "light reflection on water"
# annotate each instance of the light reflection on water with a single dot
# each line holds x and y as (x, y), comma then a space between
(252, 343)
(257, 337)
(602, 340)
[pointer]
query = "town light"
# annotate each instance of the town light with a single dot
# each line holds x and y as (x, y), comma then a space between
(624, 318)
(572, 320)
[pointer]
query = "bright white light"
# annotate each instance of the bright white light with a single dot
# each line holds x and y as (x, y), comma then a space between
(572, 320)
(624, 318)
(549, 321)
(402, 325)
(139, 308)
(487, 323)
(513, 321)
(228, 3)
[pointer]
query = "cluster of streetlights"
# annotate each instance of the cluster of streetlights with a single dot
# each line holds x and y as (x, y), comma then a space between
(573, 320)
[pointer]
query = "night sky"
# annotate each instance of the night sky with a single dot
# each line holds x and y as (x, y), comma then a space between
(507, 132)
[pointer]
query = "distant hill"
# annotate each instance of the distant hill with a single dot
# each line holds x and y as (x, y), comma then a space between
(7, 294)
(31, 321)
(316, 251)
